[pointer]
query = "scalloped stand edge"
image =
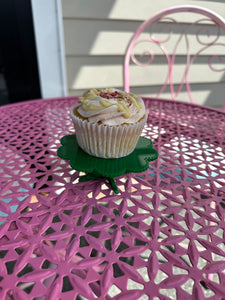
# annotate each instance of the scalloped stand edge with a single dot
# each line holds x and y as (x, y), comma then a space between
(70, 151)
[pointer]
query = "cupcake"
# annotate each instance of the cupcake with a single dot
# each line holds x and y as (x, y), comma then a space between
(108, 122)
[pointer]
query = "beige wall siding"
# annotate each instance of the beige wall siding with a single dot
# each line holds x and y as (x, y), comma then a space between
(82, 72)
(107, 37)
(128, 9)
(96, 35)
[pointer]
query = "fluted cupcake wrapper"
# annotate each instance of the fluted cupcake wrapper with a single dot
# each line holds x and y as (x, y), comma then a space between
(107, 141)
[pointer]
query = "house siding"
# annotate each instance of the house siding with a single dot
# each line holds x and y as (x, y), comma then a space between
(96, 34)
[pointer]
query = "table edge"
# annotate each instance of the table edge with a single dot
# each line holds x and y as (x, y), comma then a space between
(143, 97)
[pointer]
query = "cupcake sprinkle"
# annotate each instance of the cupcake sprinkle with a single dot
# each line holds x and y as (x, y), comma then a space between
(122, 100)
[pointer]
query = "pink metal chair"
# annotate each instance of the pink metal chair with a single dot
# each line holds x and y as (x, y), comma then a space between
(164, 23)
(169, 31)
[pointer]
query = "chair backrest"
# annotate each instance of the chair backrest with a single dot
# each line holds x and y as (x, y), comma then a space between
(184, 35)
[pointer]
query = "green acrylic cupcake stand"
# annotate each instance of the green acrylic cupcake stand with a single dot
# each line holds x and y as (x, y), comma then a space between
(137, 161)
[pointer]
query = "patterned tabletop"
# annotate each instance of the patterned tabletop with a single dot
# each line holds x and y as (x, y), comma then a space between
(161, 237)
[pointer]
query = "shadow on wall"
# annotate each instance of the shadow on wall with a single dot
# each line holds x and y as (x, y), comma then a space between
(216, 97)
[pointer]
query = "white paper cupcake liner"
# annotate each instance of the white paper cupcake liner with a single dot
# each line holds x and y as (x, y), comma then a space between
(107, 141)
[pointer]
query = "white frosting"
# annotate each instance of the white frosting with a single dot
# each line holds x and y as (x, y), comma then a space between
(111, 115)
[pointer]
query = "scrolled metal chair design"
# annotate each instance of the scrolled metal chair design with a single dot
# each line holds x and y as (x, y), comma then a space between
(207, 39)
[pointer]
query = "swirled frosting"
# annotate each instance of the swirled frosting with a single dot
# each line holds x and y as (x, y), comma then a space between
(111, 106)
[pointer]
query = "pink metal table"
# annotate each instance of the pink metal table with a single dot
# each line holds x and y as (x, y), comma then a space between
(161, 237)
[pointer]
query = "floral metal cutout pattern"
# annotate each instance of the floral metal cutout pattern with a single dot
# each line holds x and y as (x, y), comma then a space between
(161, 237)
